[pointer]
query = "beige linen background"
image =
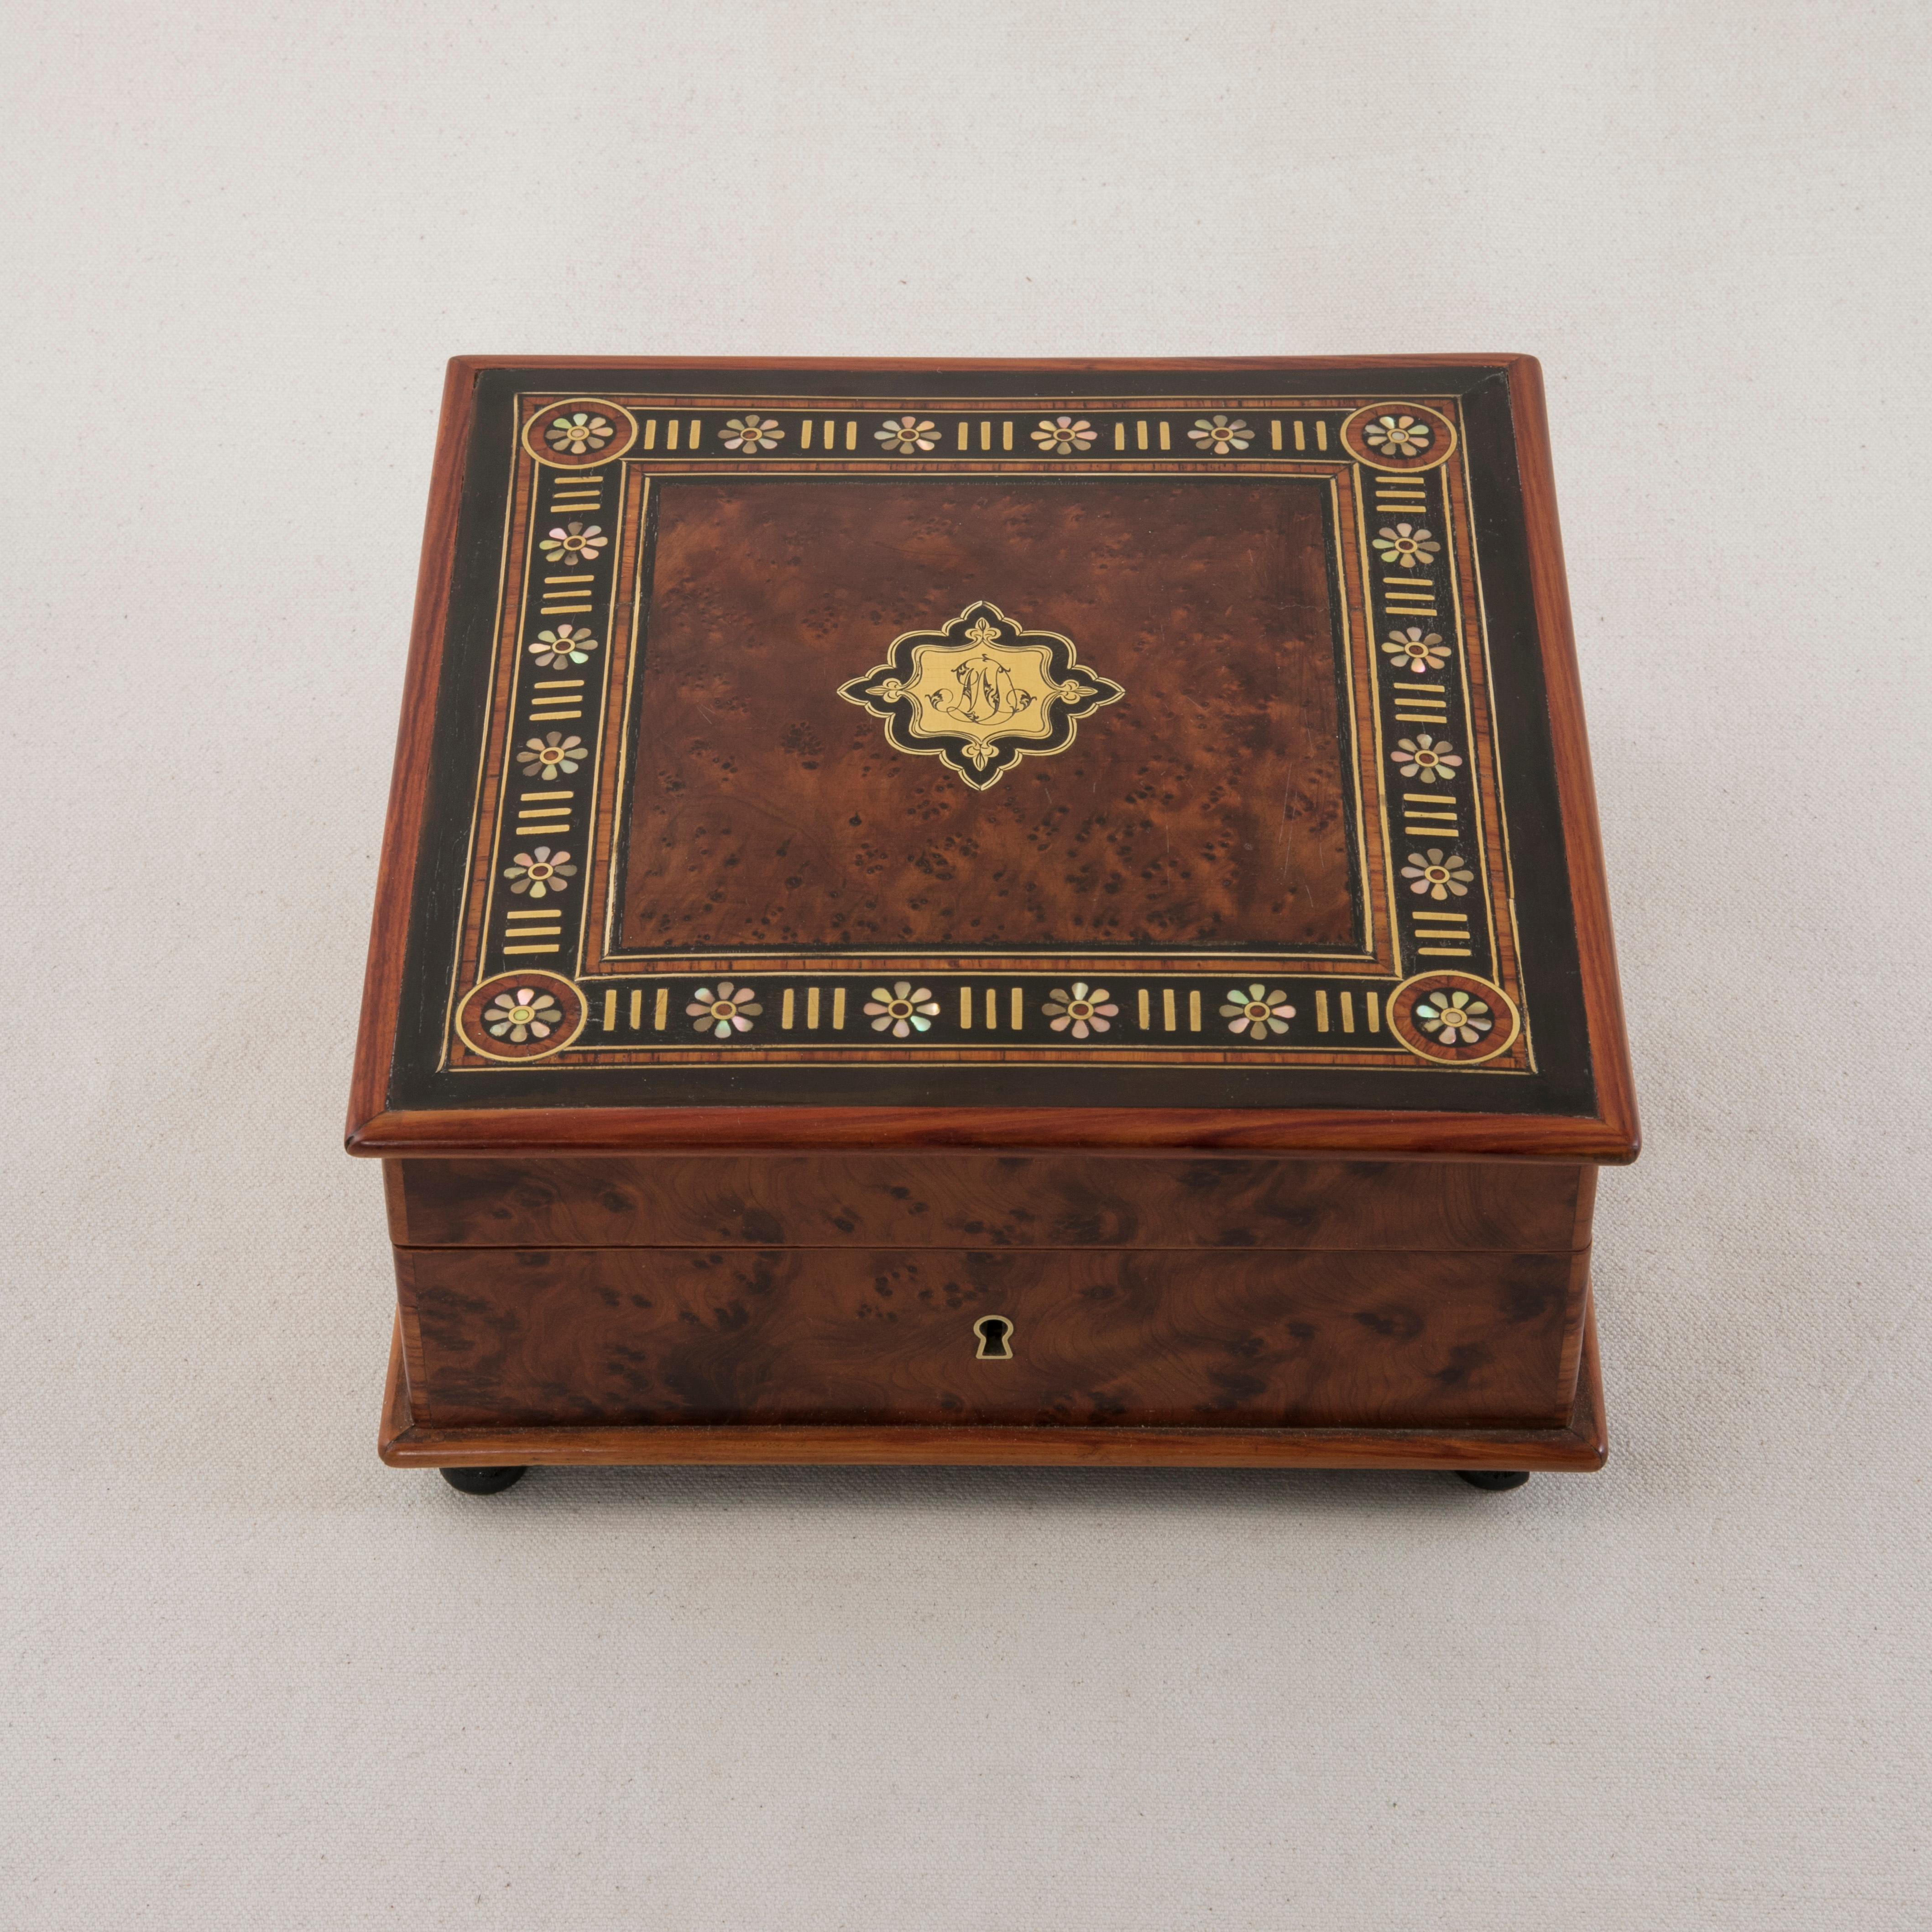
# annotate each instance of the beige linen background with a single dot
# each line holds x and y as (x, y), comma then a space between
(253, 1680)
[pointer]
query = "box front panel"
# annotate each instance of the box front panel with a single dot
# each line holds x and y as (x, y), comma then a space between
(700, 1336)
(957, 1200)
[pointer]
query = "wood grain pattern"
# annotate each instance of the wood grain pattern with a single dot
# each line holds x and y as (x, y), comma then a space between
(1581, 1444)
(1206, 809)
(983, 1201)
(638, 1335)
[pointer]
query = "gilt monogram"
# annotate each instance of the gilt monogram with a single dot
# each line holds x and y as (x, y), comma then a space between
(981, 693)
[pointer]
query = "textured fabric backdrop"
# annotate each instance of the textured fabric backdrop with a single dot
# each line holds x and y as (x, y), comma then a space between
(253, 1680)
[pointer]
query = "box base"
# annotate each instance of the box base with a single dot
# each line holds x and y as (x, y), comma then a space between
(1581, 1445)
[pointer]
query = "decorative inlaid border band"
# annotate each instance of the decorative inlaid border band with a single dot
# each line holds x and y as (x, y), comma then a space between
(1435, 887)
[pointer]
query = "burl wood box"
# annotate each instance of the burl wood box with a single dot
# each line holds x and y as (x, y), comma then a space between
(1004, 912)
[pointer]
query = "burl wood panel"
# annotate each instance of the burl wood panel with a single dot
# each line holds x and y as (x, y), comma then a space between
(1205, 807)
(1581, 1443)
(586, 1336)
(992, 1201)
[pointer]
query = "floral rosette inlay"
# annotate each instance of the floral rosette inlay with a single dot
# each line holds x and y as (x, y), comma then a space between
(752, 432)
(1417, 649)
(1429, 760)
(566, 644)
(578, 434)
(1082, 1011)
(1454, 1016)
(1256, 1013)
(552, 756)
(1219, 437)
(525, 1014)
(1407, 546)
(906, 435)
(1432, 876)
(904, 1010)
(540, 872)
(1061, 436)
(1397, 436)
(728, 1010)
(573, 543)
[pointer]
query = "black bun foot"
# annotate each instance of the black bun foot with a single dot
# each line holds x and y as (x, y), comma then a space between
(483, 1482)
(1481, 1479)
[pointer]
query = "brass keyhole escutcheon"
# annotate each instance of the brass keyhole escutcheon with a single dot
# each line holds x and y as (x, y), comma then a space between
(996, 1334)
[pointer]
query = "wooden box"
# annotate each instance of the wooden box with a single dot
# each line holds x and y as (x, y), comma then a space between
(1034, 913)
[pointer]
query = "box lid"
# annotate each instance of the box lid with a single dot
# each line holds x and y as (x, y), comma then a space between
(1099, 754)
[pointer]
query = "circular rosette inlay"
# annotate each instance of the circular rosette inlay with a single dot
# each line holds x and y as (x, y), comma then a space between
(1453, 1017)
(1399, 435)
(521, 1015)
(580, 433)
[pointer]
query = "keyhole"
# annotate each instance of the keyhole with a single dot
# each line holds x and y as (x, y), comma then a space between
(995, 1334)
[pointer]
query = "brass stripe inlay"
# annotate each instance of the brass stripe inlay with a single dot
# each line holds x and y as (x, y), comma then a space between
(637, 1009)
(992, 1008)
(611, 1012)
(966, 1008)
(1444, 952)
(812, 1006)
(1145, 1014)
(1274, 433)
(1321, 1012)
(787, 1010)
(1301, 434)
(1167, 1008)
(1019, 1009)
(1321, 435)
(533, 949)
(838, 1006)
(1348, 1013)
(1194, 1012)
(1375, 1012)
(663, 1009)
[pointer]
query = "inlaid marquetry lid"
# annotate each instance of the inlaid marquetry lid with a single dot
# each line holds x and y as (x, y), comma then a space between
(1002, 754)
